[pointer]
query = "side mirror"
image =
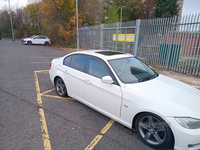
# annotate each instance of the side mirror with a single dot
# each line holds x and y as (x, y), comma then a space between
(107, 79)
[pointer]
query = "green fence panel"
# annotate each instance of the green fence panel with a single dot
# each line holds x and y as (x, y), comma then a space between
(174, 55)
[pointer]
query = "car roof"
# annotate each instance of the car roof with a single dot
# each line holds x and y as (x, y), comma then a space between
(105, 54)
(39, 35)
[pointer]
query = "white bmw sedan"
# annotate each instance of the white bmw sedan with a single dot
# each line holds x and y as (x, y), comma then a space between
(164, 112)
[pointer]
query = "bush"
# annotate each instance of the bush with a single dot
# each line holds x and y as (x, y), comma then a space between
(60, 46)
(72, 46)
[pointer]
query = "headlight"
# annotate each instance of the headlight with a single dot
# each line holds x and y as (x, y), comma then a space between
(189, 123)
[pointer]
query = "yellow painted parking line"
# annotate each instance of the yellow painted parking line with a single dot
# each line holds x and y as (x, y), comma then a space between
(48, 91)
(99, 136)
(45, 134)
(108, 125)
(68, 98)
(42, 71)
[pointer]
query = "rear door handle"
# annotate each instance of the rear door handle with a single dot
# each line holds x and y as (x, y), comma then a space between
(88, 81)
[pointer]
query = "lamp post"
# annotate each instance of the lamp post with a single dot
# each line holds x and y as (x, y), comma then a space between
(121, 16)
(77, 25)
(13, 39)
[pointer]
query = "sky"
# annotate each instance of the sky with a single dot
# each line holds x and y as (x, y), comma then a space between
(13, 4)
(189, 6)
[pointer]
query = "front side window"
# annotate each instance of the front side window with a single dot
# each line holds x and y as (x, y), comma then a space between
(97, 69)
(42, 37)
(37, 37)
(78, 62)
(132, 70)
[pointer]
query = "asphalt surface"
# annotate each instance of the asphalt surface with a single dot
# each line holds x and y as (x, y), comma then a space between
(32, 117)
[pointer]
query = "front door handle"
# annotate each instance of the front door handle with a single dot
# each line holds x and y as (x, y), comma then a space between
(88, 81)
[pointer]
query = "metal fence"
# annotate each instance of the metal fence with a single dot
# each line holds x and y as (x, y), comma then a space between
(170, 43)
(115, 36)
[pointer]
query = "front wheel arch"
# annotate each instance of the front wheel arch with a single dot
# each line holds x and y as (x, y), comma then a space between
(29, 42)
(171, 141)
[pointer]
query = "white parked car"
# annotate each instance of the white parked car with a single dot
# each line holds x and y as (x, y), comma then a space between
(37, 39)
(164, 112)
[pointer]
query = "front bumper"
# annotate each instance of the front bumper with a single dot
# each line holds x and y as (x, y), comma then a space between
(185, 139)
(24, 42)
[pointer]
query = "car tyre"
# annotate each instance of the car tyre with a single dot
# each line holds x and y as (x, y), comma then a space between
(60, 87)
(154, 131)
(29, 43)
(46, 43)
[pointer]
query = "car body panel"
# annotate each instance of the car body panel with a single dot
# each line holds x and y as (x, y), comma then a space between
(36, 39)
(163, 96)
(100, 99)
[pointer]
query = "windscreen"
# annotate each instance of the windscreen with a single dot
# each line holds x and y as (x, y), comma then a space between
(132, 70)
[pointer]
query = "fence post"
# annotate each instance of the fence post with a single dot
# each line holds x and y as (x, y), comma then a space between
(117, 30)
(92, 37)
(101, 37)
(136, 39)
(170, 47)
(83, 39)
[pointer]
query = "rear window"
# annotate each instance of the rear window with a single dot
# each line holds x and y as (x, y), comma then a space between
(78, 62)
(67, 60)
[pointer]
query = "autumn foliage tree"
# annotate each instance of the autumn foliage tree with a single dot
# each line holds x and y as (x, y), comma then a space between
(20, 30)
(32, 19)
(58, 19)
(147, 9)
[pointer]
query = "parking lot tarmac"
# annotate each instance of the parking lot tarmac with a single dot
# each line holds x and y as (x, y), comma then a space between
(33, 117)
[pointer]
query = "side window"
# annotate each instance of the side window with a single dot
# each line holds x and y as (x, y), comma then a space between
(97, 69)
(78, 62)
(67, 60)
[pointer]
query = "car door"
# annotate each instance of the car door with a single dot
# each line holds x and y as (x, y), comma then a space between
(36, 40)
(74, 71)
(104, 97)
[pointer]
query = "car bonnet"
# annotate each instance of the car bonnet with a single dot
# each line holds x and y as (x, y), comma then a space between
(170, 93)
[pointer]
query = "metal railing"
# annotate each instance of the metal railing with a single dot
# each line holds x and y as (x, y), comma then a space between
(170, 43)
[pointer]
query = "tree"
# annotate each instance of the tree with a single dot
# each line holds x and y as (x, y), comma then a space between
(112, 14)
(166, 8)
(91, 11)
(58, 18)
(32, 18)
(19, 27)
(147, 9)
(130, 8)
(5, 25)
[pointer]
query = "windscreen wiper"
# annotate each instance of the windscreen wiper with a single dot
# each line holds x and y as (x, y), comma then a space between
(149, 77)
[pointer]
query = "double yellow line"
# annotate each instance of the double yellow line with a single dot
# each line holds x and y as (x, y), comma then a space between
(45, 134)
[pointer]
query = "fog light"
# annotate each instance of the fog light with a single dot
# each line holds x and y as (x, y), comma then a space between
(194, 146)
